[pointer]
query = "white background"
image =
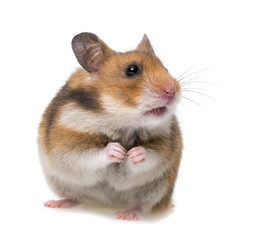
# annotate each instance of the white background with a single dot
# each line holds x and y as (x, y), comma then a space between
(215, 193)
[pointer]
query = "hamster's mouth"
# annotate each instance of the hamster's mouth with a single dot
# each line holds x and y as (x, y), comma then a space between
(158, 112)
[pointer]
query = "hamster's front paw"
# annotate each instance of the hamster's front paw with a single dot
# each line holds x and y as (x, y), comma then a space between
(137, 155)
(115, 152)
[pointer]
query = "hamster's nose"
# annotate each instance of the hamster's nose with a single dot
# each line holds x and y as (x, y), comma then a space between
(169, 90)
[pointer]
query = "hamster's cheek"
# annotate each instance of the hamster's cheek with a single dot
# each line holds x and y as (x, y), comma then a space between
(117, 107)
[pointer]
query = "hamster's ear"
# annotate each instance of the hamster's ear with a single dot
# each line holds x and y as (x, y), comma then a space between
(90, 51)
(145, 46)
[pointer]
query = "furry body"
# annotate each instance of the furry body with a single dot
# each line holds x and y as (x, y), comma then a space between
(85, 116)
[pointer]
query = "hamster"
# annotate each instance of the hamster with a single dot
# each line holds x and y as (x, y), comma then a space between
(110, 136)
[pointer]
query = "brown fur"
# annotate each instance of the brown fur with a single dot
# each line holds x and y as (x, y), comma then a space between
(171, 174)
(128, 91)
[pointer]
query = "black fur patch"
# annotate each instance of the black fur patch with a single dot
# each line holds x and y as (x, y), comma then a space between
(87, 99)
(56, 103)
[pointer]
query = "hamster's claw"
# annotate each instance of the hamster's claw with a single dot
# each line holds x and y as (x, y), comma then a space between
(137, 155)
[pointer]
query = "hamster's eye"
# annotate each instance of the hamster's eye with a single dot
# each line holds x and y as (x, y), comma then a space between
(132, 70)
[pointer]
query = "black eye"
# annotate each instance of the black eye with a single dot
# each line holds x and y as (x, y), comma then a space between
(132, 70)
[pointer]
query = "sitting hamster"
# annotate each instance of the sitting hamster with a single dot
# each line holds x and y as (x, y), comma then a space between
(110, 135)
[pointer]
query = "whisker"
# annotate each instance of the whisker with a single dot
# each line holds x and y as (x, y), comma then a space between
(195, 88)
(201, 94)
(202, 70)
(180, 75)
(190, 82)
(190, 79)
(195, 103)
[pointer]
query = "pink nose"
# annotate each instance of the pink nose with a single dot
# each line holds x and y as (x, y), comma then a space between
(169, 90)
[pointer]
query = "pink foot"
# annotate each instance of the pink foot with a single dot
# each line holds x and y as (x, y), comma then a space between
(115, 151)
(137, 154)
(63, 203)
(134, 213)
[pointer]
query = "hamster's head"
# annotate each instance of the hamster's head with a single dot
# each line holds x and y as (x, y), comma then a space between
(134, 88)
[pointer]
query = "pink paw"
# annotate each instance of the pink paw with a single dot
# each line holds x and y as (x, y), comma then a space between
(130, 214)
(115, 151)
(137, 154)
(63, 203)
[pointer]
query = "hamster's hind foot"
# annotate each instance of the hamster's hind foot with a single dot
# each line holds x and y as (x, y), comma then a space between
(134, 213)
(63, 203)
